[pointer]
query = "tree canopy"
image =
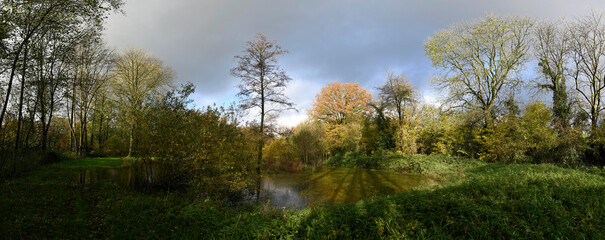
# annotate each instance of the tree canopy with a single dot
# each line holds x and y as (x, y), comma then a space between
(339, 102)
(479, 60)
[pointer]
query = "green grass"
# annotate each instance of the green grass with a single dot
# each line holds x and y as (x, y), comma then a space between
(88, 163)
(437, 166)
(480, 201)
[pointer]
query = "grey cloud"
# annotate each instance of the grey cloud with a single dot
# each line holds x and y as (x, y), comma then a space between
(338, 40)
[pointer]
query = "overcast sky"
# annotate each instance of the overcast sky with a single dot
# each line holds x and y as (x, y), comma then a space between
(344, 40)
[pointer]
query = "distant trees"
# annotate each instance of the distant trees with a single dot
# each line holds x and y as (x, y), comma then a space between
(138, 77)
(262, 82)
(340, 102)
(479, 60)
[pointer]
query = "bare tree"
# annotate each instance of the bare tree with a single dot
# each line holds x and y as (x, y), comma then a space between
(262, 82)
(139, 76)
(51, 71)
(587, 47)
(396, 93)
(478, 60)
(91, 64)
(552, 50)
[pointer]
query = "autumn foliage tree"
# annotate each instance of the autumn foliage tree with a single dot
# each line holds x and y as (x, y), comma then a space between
(340, 102)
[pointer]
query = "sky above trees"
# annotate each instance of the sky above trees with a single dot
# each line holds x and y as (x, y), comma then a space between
(340, 40)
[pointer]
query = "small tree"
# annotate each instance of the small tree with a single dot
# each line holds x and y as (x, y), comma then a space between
(262, 82)
(309, 142)
(396, 93)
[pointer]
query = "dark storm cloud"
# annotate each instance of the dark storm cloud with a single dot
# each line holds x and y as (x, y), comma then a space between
(352, 41)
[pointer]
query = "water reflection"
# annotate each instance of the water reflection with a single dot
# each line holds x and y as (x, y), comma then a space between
(333, 184)
(292, 190)
(140, 176)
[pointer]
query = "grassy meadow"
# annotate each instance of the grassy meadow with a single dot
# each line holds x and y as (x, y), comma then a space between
(476, 200)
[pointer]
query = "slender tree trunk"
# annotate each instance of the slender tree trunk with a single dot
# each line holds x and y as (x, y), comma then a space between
(10, 83)
(20, 117)
(32, 115)
(72, 112)
(261, 140)
(80, 115)
(594, 118)
(100, 133)
(131, 140)
(47, 125)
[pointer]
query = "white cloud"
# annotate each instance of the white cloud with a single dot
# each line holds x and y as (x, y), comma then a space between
(430, 100)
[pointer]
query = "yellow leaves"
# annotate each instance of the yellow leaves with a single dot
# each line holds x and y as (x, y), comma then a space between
(339, 102)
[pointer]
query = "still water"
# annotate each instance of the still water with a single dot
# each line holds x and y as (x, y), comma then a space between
(139, 176)
(327, 185)
(323, 185)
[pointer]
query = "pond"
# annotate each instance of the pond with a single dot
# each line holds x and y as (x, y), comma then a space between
(138, 176)
(323, 185)
(327, 185)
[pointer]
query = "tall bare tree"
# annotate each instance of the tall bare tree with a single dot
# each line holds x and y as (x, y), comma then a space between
(138, 77)
(587, 47)
(262, 82)
(91, 64)
(552, 50)
(479, 60)
(51, 71)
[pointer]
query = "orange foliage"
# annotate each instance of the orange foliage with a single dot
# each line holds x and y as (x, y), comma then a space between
(339, 102)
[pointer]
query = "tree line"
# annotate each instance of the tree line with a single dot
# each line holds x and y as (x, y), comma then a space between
(65, 92)
(483, 66)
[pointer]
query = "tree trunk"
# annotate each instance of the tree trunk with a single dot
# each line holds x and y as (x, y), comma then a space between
(131, 140)
(20, 118)
(100, 133)
(10, 82)
(32, 126)
(261, 140)
(72, 112)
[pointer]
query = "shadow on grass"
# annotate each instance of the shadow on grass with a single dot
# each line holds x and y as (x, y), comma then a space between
(518, 201)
